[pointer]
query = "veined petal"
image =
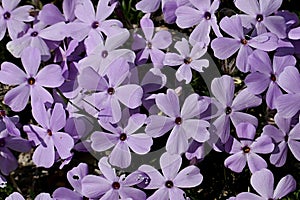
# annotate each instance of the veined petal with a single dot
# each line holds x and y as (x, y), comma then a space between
(225, 47)
(170, 165)
(44, 155)
(31, 65)
(158, 125)
(63, 143)
(263, 182)
(17, 98)
(11, 74)
(130, 95)
(120, 155)
(286, 185)
(236, 162)
(50, 76)
(188, 177)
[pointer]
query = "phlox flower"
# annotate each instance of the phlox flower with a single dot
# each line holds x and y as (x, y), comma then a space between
(48, 137)
(32, 82)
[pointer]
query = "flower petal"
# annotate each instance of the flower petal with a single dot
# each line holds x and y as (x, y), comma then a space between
(11, 74)
(17, 98)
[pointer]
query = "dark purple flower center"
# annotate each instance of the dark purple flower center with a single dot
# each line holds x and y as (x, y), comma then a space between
(178, 120)
(187, 60)
(149, 45)
(110, 91)
(228, 110)
(2, 142)
(246, 149)
(31, 81)
(75, 177)
(104, 54)
(34, 34)
(95, 24)
(123, 137)
(169, 184)
(2, 113)
(244, 41)
(49, 132)
(207, 15)
(115, 185)
(273, 77)
(6, 15)
(286, 138)
(259, 17)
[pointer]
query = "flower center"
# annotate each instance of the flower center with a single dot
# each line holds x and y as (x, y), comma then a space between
(286, 138)
(49, 132)
(95, 24)
(259, 17)
(110, 91)
(244, 41)
(6, 15)
(273, 77)
(207, 15)
(34, 34)
(115, 185)
(104, 54)
(149, 45)
(169, 184)
(178, 120)
(123, 137)
(2, 142)
(246, 149)
(228, 110)
(187, 60)
(31, 81)
(2, 113)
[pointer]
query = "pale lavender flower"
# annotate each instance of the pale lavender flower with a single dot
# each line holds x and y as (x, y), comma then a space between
(8, 161)
(32, 82)
(152, 45)
(187, 59)
(108, 91)
(180, 122)
(36, 37)
(18, 196)
(264, 74)
(263, 183)
(258, 14)
(9, 124)
(48, 137)
(245, 149)
(225, 47)
(202, 14)
(285, 140)
(230, 106)
(288, 105)
(108, 52)
(148, 6)
(13, 18)
(93, 23)
(170, 183)
(109, 185)
(123, 139)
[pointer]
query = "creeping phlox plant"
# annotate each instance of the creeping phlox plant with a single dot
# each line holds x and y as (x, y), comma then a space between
(136, 100)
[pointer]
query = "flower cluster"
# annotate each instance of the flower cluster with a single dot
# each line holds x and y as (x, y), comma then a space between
(90, 84)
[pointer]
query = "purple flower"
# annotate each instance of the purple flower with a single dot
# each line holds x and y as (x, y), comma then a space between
(288, 105)
(152, 44)
(123, 139)
(225, 47)
(93, 23)
(187, 60)
(110, 186)
(180, 122)
(8, 162)
(230, 106)
(18, 196)
(148, 6)
(74, 177)
(258, 15)
(284, 138)
(108, 53)
(265, 74)
(245, 149)
(8, 123)
(202, 15)
(48, 136)
(13, 18)
(36, 37)
(109, 91)
(172, 180)
(32, 82)
(263, 183)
